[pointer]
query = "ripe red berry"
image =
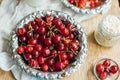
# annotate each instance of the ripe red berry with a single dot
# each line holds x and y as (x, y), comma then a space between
(28, 56)
(22, 38)
(46, 52)
(100, 68)
(114, 69)
(20, 50)
(44, 67)
(32, 41)
(21, 31)
(50, 62)
(70, 55)
(69, 26)
(27, 27)
(49, 18)
(38, 47)
(65, 32)
(60, 65)
(63, 56)
(35, 54)
(60, 46)
(103, 75)
(34, 63)
(66, 62)
(57, 21)
(66, 41)
(29, 49)
(48, 41)
(74, 46)
(106, 63)
(71, 1)
(41, 60)
(57, 39)
(53, 52)
(42, 30)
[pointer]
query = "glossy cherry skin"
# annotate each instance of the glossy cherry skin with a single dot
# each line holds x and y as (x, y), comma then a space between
(114, 69)
(63, 56)
(57, 39)
(46, 52)
(50, 62)
(42, 30)
(74, 46)
(47, 41)
(20, 50)
(60, 65)
(22, 38)
(29, 49)
(103, 75)
(35, 54)
(32, 41)
(41, 60)
(28, 56)
(21, 31)
(65, 32)
(106, 63)
(38, 47)
(70, 55)
(100, 68)
(53, 52)
(44, 67)
(34, 63)
(57, 21)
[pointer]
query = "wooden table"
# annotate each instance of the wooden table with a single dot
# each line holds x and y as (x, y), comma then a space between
(95, 51)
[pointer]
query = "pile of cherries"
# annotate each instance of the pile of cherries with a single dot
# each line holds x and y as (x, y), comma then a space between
(105, 68)
(83, 3)
(48, 43)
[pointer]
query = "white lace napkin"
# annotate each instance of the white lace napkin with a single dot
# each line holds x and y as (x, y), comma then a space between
(11, 12)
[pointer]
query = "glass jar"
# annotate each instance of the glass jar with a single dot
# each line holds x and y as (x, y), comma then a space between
(108, 31)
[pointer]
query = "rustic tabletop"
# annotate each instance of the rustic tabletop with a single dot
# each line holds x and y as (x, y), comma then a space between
(95, 51)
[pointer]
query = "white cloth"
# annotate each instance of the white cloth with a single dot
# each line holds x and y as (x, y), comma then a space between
(12, 11)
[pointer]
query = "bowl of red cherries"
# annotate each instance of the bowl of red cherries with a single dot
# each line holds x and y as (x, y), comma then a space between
(88, 6)
(48, 44)
(106, 69)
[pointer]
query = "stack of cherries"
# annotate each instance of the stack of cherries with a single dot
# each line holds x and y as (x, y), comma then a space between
(106, 68)
(83, 3)
(48, 43)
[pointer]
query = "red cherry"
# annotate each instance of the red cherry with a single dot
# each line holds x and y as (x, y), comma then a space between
(28, 56)
(38, 19)
(50, 62)
(69, 26)
(76, 42)
(48, 41)
(106, 63)
(74, 46)
(32, 23)
(41, 60)
(70, 55)
(60, 65)
(65, 32)
(22, 38)
(46, 52)
(20, 50)
(27, 27)
(61, 26)
(71, 36)
(38, 47)
(28, 35)
(66, 41)
(49, 18)
(57, 21)
(57, 39)
(34, 63)
(71, 1)
(92, 5)
(81, 4)
(42, 30)
(61, 47)
(21, 31)
(66, 62)
(44, 67)
(40, 23)
(100, 68)
(103, 75)
(114, 69)
(36, 36)
(35, 54)
(32, 41)
(53, 52)
(63, 56)
(29, 49)
(35, 27)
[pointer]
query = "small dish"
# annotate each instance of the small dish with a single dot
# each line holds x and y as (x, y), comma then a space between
(106, 69)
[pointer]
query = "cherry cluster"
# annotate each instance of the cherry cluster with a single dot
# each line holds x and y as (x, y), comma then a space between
(105, 69)
(83, 3)
(48, 43)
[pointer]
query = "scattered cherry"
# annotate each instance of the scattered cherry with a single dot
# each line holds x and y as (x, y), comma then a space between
(114, 69)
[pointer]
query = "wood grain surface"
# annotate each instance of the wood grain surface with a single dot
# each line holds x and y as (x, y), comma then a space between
(95, 51)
